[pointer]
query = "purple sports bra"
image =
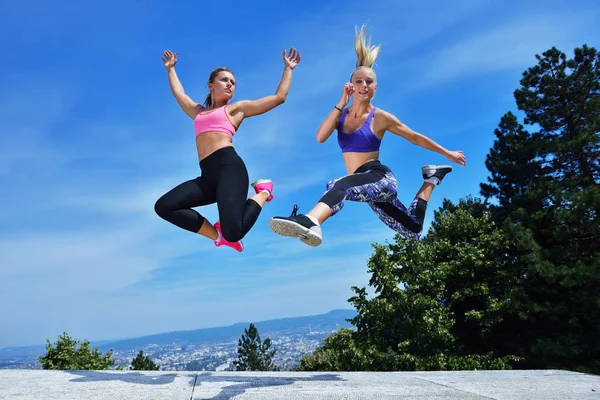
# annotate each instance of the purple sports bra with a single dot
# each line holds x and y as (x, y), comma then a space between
(362, 140)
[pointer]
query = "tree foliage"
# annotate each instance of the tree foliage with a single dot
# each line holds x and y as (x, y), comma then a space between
(143, 363)
(339, 352)
(253, 353)
(558, 202)
(438, 303)
(65, 355)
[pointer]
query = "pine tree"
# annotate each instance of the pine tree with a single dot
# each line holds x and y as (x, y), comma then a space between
(549, 181)
(516, 172)
(143, 363)
(253, 353)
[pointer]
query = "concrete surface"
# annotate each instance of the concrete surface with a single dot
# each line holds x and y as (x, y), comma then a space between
(464, 385)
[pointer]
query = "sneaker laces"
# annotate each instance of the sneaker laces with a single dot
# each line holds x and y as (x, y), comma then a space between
(295, 210)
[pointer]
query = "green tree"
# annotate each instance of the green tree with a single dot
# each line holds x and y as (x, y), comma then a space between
(516, 172)
(438, 304)
(339, 352)
(440, 301)
(65, 355)
(558, 202)
(143, 363)
(253, 353)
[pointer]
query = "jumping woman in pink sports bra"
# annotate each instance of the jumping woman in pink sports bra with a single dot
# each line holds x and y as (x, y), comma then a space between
(224, 178)
(360, 129)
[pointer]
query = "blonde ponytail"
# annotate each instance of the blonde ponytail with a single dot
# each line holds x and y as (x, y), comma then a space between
(365, 53)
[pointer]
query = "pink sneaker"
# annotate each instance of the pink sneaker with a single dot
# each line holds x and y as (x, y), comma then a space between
(264, 184)
(222, 242)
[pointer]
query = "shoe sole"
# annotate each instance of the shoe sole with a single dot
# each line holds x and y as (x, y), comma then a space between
(423, 168)
(256, 182)
(436, 167)
(224, 245)
(293, 229)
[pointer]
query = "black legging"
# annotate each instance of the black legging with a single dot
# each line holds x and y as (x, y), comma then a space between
(224, 180)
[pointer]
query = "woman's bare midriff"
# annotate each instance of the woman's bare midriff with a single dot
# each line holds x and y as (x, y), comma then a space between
(354, 160)
(209, 142)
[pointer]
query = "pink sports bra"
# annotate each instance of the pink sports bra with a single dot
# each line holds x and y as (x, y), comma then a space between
(214, 121)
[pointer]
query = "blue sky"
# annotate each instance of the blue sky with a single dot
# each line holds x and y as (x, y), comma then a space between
(91, 136)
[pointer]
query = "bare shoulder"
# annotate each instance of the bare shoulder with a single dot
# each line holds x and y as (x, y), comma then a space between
(384, 115)
(236, 112)
(236, 107)
(384, 119)
(193, 111)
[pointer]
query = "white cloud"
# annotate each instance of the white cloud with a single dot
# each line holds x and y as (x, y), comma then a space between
(76, 302)
(83, 259)
(507, 46)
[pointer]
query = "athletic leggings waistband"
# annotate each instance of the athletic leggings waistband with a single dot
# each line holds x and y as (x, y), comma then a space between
(370, 165)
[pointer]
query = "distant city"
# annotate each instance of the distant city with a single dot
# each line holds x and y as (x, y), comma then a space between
(210, 349)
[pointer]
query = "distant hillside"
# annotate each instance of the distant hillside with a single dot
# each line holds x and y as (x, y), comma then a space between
(330, 321)
(333, 320)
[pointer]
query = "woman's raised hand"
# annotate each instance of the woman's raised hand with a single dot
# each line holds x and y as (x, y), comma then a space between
(169, 59)
(292, 59)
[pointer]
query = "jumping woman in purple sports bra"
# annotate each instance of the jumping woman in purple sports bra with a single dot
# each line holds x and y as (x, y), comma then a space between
(360, 129)
(224, 178)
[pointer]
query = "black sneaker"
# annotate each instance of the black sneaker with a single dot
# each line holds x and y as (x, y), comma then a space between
(439, 171)
(299, 226)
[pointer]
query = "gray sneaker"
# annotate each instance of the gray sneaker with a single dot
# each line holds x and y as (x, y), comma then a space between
(297, 225)
(439, 171)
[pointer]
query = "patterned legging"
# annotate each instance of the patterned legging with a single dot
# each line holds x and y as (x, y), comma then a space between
(375, 184)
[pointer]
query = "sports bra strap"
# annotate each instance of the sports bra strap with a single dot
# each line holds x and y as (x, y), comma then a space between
(342, 119)
(370, 117)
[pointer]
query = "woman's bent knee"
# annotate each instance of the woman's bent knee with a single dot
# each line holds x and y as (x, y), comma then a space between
(161, 208)
(231, 232)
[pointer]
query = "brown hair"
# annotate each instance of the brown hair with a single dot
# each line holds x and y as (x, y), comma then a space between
(211, 78)
(365, 53)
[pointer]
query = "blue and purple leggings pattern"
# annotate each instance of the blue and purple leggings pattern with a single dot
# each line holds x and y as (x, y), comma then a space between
(377, 187)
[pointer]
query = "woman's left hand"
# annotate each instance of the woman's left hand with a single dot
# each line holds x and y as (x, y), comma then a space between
(292, 59)
(457, 157)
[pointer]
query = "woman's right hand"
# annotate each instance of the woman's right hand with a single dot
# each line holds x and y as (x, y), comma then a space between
(169, 59)
(347, 92)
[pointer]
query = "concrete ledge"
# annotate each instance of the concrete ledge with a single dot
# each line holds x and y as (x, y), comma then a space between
(464, 385)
